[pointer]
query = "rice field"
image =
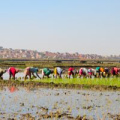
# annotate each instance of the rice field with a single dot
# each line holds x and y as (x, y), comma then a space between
(112, 81)
(59, 99)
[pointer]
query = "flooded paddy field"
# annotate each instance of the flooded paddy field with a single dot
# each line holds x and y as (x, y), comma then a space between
(75, 98)
(52, 103)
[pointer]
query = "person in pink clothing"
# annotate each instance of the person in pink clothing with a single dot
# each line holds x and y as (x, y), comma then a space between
(115, 71)
(90, 73)
(83, 72)
(12, 72)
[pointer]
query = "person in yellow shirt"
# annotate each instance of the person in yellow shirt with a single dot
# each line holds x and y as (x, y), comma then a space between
(58, 72)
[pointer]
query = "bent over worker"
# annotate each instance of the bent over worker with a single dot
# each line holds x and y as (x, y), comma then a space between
(70, 72)
(12, 72)
(58, 72)
(83, 72)
(46, 72)
(114, 71)
(31, 71)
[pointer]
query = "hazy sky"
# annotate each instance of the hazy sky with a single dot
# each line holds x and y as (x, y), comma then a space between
(84, 26)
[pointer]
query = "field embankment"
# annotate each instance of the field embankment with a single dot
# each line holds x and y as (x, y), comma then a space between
(61, 63)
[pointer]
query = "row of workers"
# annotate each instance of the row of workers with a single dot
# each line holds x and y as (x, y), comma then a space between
(29, 71)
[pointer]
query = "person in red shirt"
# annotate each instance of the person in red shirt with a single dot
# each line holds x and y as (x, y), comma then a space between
(70, 72)
(12, 72)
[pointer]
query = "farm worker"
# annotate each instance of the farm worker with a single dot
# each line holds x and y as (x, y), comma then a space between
(12, 72)
(80, 72)
(90, 73)
(58, 72)
(1, 73)
(70, 72)
(97, 71)
(101, 71)
(114, 71)
(31, 71)
(93, 72)
(46, 72)
(83, 72)
(106, 72)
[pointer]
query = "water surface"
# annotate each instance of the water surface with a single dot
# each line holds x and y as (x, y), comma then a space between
(94, 104)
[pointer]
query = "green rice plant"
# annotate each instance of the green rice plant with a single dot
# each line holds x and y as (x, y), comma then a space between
(82, 81)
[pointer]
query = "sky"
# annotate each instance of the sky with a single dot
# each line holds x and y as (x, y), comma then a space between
(84, 26)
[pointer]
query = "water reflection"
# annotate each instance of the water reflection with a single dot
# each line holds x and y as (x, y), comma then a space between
(13, 89)
(44, 101)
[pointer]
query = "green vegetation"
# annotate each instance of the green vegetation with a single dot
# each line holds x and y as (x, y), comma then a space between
(84, 81)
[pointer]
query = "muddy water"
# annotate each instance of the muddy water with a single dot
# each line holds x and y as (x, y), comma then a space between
(14, 102)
